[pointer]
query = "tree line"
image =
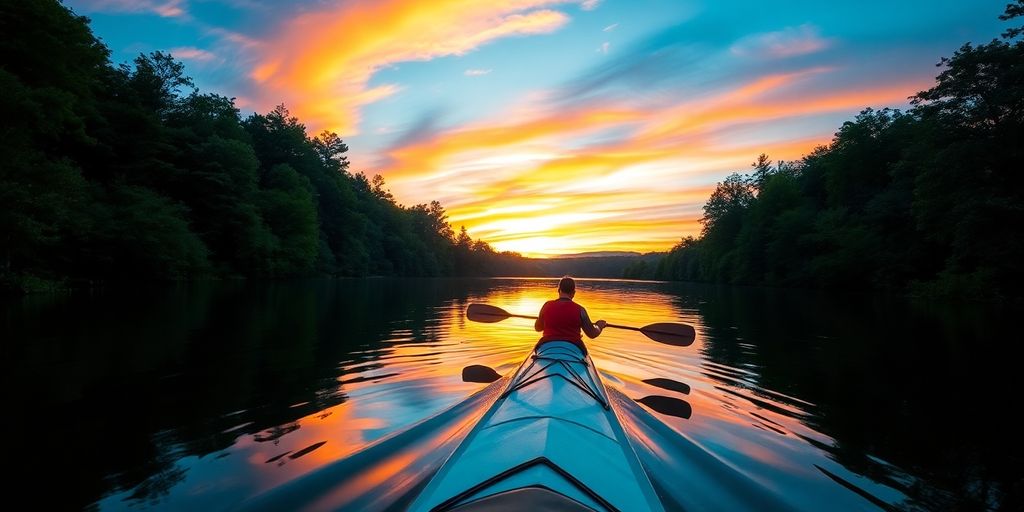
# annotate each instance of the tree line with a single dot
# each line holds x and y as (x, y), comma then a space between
(927, 201)
(129, 172)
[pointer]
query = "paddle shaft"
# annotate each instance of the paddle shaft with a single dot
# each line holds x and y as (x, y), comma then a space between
(522, 316)
(679, 335)
(628, 328)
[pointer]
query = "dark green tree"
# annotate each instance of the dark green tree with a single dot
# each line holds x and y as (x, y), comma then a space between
(51, 68)
(928, 200)
(287, 205)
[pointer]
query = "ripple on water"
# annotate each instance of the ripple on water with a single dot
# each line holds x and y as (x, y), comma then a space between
(792, 401)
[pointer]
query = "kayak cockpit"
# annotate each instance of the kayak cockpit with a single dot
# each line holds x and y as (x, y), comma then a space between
(551, 438)
(534, 499)
(571, 366)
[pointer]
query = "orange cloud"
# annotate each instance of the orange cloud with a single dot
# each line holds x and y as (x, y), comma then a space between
(321, 62)
(434, 152)
(649, 208)
(749, 110)
(537, 187)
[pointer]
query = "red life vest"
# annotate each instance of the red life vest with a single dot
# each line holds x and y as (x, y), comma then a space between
(563, 321)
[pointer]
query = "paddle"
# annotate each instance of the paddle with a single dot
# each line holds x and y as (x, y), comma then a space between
(668, 405)
(678, 335)
(479, 373)
(669, 384)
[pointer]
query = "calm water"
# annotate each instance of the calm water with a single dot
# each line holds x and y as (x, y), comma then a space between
(204, 396)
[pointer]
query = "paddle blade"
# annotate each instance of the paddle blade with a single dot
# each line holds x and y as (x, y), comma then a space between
(679, 335)
(485, 313)
(668, 405)
(479, 373)
(669, 384)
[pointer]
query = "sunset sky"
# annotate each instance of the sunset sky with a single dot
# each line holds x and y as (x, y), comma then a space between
(552, 127)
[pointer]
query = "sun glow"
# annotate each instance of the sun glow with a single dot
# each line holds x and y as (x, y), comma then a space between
(531, 139)
(532, 246)
(545, 182)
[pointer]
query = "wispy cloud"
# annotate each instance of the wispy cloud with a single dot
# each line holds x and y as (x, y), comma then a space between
(434, 148)
(249, 5)
(171, 9)
(789, 42)
(580, 145)
(237, 39)
(542, 185)
(195, 54)
(321, 62)
(164, 8)
(645, 65)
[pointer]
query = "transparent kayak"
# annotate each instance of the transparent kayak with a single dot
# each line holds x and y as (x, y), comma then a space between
(552, 441)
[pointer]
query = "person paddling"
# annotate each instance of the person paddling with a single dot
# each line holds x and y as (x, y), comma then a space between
(562, 319)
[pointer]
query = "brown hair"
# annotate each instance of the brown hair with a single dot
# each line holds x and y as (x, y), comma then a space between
(567, 285)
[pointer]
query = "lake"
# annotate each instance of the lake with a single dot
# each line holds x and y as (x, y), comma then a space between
(204, 395)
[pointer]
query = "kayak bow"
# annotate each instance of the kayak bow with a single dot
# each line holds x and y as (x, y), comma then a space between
(551, 441)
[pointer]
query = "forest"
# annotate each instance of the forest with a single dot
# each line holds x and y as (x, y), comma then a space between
(128, 172)
(929, 201)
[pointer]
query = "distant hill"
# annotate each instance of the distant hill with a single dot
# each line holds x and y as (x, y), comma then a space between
(596, 254)
(609, 264)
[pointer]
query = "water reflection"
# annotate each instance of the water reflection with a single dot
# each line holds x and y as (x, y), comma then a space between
(206, 395)
(669, 384)
(668, 405)
(479, 373)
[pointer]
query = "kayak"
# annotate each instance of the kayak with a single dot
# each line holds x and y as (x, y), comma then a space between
(551, 441)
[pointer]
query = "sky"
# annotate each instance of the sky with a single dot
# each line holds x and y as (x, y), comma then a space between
(557, 127)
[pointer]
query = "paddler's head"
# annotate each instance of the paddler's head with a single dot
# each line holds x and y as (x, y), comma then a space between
(566, 288)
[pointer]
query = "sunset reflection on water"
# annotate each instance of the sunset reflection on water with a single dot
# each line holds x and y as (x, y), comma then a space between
(264, 387)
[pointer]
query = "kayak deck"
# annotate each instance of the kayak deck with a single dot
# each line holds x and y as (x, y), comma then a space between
(550, 442)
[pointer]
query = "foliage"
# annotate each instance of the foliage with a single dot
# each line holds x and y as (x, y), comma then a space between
(128, 172)
(927, 201)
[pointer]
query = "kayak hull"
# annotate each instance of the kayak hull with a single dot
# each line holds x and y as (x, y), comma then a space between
(552, 441)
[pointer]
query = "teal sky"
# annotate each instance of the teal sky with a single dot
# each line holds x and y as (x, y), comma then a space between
(556, 127)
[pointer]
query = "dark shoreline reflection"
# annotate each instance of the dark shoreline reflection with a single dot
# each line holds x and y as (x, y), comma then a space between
(925, 387)
(124, 395)
(116, 386)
